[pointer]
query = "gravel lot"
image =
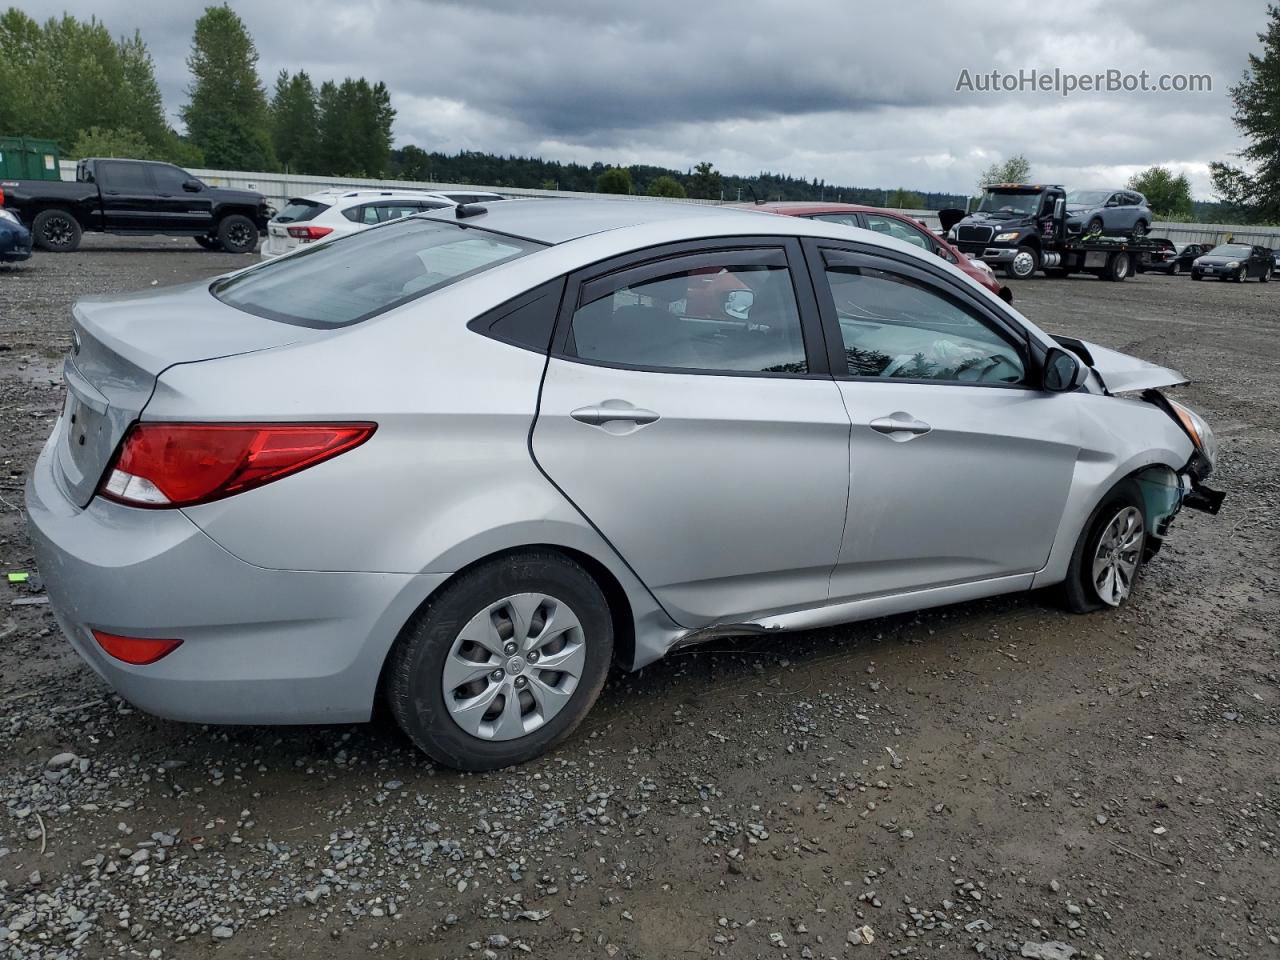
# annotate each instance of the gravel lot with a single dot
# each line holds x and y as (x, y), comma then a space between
(998, 777)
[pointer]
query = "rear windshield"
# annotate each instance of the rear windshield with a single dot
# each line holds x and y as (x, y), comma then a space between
(355, 277)
(297, 210)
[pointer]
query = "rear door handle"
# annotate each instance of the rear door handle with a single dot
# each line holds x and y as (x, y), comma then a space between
(611, 410)
(903, 424)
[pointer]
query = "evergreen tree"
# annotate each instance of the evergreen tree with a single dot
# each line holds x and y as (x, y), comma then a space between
(227, 115)
(705, 184)
(1256, 193)
(295, 128)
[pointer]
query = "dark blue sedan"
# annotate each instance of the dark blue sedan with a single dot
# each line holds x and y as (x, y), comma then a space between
(15, 239)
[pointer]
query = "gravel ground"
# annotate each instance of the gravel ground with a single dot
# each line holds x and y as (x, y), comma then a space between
(999, 777)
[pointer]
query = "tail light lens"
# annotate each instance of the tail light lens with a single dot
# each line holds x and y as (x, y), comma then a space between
(307, 234)
(139, 651)
(181, 464)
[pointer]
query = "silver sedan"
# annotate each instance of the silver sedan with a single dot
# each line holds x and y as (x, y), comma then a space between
(467, 460)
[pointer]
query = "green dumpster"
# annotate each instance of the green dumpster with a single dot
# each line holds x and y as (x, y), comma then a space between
(27, 158)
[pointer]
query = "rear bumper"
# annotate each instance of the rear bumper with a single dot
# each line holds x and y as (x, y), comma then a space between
(259, 646)
(15, 243)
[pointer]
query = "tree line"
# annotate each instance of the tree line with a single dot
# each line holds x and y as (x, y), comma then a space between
(70, 81)
(701, 181)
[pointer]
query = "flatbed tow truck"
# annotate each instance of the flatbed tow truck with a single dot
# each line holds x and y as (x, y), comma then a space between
(1022, 228)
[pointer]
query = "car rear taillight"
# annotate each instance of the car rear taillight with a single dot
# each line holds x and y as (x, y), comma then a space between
(139, 651)
(307, 234)
(181, 464)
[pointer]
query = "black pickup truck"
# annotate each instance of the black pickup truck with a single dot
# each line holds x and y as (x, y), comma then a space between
(136, 197)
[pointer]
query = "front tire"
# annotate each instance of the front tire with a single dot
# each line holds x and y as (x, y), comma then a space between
(56, 231)
(1140, 228)
(237, 234)
(1024, 263)
(503, 663)
(1109, 554)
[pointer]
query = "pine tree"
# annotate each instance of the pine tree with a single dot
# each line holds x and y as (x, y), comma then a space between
(1257, 101)
(227, 115)
(295, 128)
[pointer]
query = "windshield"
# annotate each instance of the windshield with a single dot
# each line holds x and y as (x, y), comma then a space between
(343, 281)
(1087, 198)
(1008, 202)
(1230, 250)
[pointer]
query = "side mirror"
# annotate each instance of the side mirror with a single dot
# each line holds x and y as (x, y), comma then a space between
(192, 186)
(738, 303)
(1063, 372)
(1059, 208)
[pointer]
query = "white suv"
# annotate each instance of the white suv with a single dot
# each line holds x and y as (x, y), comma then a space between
(332, 212)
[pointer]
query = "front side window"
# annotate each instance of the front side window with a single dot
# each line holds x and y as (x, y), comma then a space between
(170, 179)
(708, 315)
(367, 272)
(896, 327)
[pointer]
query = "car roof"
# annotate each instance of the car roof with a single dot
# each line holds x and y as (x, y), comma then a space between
(372, 193)
(810, 208)
(557, 221)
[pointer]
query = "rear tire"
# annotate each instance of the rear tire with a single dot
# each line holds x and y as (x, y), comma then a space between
(56, 231)
(512, 604)
(1110, 542)
(1140, 228)
(237, 234)
(1118, 267)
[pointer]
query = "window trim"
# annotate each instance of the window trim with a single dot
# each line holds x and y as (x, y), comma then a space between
(483, 323)
(655, 259)
(890, 261)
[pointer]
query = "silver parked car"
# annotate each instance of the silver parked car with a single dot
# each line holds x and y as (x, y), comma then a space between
(468, 459)
(1108, 211)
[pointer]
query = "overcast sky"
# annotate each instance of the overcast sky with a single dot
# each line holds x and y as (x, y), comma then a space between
(854, 93)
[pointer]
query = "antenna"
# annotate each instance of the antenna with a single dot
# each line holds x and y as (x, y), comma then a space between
(464, 210)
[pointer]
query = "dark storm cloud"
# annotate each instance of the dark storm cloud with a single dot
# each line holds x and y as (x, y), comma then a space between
(853, 93)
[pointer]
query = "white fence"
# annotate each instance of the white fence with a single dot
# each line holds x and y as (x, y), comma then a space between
(279, 187)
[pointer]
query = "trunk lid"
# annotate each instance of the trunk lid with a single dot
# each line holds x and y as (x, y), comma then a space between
(121, 345)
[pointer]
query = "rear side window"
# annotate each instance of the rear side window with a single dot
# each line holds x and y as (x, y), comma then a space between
(299, 210)
(125, 177)
(366, 273)
(733, 312)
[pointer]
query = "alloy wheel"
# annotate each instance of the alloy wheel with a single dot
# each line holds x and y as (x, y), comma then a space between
(1115, 561)
(1024, 264)
(57, 231)
(514, 666)
(239, 235)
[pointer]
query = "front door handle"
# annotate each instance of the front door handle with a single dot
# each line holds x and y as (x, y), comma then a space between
(612, 410)
(900, 426)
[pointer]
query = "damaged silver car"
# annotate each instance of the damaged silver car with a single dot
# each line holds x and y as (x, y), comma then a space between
(466, 461)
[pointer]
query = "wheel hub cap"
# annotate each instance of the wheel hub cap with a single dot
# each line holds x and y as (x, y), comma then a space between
(1022, 263)
(1115, 561)
(496, 695)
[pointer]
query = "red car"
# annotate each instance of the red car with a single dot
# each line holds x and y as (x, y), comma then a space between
(896, 224)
